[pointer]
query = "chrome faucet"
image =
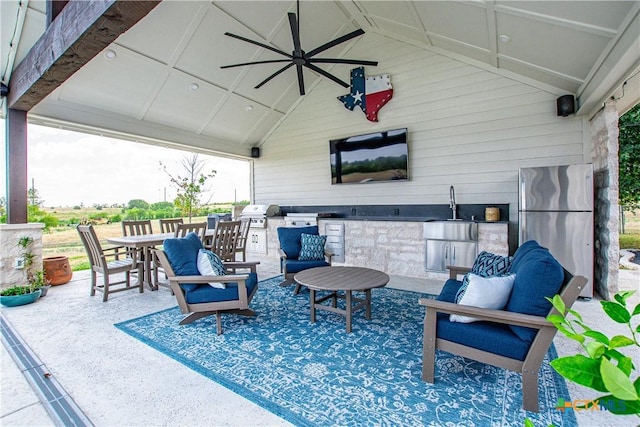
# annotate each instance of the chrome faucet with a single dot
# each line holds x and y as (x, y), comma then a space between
(452, 201)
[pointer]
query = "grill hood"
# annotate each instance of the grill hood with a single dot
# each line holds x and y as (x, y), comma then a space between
(260, 210)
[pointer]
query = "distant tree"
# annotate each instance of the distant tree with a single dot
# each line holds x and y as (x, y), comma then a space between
(191, 187)
(162, 206)
(34, 197)
(629, 141)
(137, 204)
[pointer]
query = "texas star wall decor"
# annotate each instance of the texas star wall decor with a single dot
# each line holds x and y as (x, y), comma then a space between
(370, 94)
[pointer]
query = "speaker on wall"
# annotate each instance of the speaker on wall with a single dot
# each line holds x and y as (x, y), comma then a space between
(566, 105)
(255, 152)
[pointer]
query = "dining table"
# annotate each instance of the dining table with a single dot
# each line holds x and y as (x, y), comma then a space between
(145, 243)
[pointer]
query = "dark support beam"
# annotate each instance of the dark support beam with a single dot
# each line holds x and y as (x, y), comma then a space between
(16, 158)
(54, 7)
(80, 32)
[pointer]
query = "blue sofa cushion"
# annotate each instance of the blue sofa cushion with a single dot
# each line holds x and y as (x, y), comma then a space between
(488, 336)
(449, 291)
(290, 239)
(521, 253)
(538, 275)
(295, 266)
(312, 247)
(205, 293)
(182, 253)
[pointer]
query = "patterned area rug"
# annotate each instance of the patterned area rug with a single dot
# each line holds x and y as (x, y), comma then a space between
(318, 375)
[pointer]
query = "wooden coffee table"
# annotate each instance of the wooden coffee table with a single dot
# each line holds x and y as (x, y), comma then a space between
(341, 282)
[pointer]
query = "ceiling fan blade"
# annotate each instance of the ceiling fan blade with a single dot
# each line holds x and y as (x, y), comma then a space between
(259, 44)
(343, 61)
(300, 79)
(334, 42)
(295, 34)
(281, 70)
(327, 75)
(256, 62)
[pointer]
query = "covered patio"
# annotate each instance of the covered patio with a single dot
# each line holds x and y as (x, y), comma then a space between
(476, 84)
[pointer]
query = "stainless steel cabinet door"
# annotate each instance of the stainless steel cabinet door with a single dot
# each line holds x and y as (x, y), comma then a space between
(463, 254)
(437, 255)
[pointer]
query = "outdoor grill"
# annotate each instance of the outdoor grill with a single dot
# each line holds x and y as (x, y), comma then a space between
(258, 214)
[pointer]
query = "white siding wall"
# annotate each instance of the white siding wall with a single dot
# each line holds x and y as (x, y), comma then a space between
(468, 127)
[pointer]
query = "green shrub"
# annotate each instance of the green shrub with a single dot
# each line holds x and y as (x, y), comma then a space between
(115, 218)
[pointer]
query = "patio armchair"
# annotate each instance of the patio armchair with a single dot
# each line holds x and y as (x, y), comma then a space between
(109, 261)
(515, 337)
(301, 248)
(216, 292)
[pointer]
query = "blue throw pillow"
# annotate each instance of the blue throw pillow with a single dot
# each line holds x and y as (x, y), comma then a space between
(312, 247)
(486, 264)
(290, 239)
(182, 253)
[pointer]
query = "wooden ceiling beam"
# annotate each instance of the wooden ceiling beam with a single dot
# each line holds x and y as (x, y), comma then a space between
(80, 32)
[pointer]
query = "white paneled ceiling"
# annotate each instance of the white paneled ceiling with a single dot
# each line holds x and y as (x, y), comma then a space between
(166, 72)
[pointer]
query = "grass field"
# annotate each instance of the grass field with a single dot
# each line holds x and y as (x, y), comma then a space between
(64, 241)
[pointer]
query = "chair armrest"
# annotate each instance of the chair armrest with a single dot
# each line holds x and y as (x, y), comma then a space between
(117, 251)
(233, 265)
(498, 316)
(282, 254)
(207, 279)
(328, 254)
(455, 270)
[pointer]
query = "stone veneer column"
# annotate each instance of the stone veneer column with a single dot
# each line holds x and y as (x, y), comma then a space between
(9, 251)
(604, 138)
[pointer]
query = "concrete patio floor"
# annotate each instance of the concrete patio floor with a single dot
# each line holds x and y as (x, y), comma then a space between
(116, 380)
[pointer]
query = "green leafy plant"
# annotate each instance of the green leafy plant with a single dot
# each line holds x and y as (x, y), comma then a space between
(35, 279)
(603, 368)
(16, 290)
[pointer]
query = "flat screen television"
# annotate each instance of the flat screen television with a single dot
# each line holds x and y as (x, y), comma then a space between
(374, 157)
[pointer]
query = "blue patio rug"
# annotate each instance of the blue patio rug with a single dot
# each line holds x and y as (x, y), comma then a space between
(318, 375)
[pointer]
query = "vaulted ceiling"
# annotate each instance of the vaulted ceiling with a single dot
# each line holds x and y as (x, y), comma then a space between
(162, 79)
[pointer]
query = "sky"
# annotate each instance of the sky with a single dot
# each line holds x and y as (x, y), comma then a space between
(70, 168)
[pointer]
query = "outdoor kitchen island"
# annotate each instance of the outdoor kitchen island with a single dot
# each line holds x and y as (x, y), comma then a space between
(395, 246)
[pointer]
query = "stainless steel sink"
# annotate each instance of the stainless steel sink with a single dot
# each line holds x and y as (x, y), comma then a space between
(451, 229)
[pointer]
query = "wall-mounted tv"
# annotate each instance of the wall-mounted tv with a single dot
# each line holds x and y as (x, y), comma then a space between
(374, 157)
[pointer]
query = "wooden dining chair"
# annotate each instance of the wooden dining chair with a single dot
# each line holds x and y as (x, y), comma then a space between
(241, 241)
(169, 225)
(136, 227)
(225, 239)
(109, 261)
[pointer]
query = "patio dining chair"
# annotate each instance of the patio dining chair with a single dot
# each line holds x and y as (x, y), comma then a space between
(225, 239)
(108, 262)
(137, 228)
(241, 241)
(169, 225)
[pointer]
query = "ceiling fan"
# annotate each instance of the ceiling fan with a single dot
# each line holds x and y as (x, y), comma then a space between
(300, 58)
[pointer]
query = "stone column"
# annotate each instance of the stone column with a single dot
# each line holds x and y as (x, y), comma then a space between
(604, 138)
(10, 251)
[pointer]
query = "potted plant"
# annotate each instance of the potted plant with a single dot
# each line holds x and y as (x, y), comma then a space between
(36, 284)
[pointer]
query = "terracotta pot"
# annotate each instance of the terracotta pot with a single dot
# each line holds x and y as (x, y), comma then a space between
(57, 270)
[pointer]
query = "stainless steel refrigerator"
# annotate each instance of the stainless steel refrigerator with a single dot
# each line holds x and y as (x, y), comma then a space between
(556, 210)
